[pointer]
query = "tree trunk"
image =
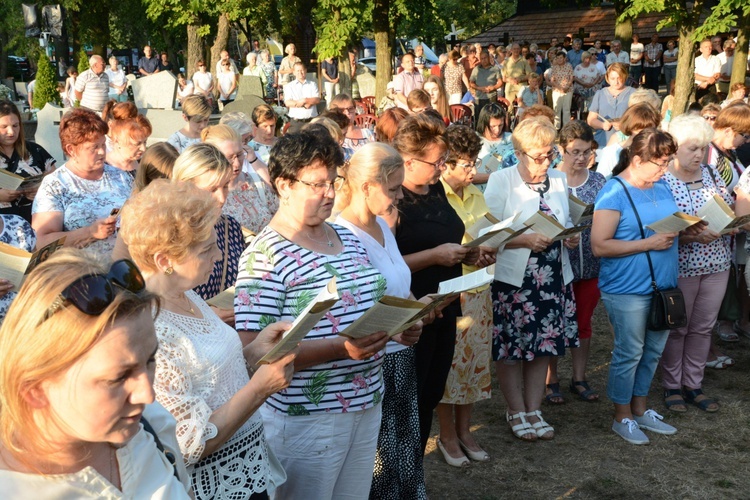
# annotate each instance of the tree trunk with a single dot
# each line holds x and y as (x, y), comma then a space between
(739, 67)
(220, 42)
(684, 88)
(624, 29)
(194, 50)
(383, 49)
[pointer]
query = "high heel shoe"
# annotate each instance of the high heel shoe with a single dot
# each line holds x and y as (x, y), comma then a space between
(461, 461)
(477, 456)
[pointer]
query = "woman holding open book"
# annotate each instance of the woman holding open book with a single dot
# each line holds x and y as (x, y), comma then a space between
(704, 261)
(367, 200)
(201, 367)
(14, 231)
(324, 426)
(20, 157)
(534, 311)
(635, 197)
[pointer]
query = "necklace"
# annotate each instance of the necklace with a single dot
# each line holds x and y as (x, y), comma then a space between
(112, 466)
(189, 308)
(325, 230)
(652, 200)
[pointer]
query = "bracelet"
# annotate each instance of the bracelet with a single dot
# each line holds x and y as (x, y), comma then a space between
(253, 161)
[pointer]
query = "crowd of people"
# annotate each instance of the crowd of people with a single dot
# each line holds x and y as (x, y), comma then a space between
(162, 393)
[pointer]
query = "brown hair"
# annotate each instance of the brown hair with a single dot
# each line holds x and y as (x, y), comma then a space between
(442, 105)
(114, 110)
(81, 125)
(263, 113)
(388, 122)
(638, 117)
(618, 68)
(137, 129)
(418, 132)
(156, 163)
(735, 116)
(8, 108)
(418, 98)
(647, 144)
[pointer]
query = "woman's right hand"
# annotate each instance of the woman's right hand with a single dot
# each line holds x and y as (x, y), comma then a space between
(538, 242)
(276, 376)
(661, 241)
(102, 229)
(366, 347)
(5, 287)
(7, 195)
(450, 254)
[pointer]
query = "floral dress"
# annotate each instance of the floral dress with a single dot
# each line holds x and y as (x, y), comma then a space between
(253, 203)
(262, 151)
(582, 260)
(453, 79)
(269, 69)
(538, 319)
(16, 232)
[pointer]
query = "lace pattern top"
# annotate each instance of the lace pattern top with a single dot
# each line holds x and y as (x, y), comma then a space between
(199, 367)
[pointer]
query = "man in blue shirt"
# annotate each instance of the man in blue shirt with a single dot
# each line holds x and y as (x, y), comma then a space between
(149, 63)
(574, 54)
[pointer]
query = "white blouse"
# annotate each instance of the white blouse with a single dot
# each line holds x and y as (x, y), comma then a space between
(388, 260)
(199, 367)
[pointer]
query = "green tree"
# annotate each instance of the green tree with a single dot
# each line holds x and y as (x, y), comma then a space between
(83, 61)
(46, 84)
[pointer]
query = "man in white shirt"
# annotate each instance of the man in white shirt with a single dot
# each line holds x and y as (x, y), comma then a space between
(301, 96)
(618, 55)
(726, 58)
(707, 70)
(225, 57)
(92, 86)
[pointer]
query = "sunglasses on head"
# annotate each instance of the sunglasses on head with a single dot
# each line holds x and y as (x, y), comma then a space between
(93, 293)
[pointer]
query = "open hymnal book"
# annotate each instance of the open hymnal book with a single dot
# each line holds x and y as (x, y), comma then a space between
(15, 182)
(580, 211)
(224, 300)
(247, 235)
(543, 224)
(497, 235)
(389, 314)
(16, 264)
(308, 318)
(674, 223)
(483, 222)
(720, 217)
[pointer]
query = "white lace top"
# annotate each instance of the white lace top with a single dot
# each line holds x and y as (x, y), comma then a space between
(199, 367)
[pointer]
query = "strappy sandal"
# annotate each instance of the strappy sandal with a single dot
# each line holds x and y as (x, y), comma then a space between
(706, 404)
(522, 430)
(542, 428)
(675, 405)
(555, 394)
(587, 394)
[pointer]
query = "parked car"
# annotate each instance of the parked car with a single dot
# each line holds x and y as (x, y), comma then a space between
(369, 62)
(19, 68)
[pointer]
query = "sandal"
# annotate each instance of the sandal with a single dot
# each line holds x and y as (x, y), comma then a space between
(729, 336)
(544, 431)
(706, 404)
(523, 430)
(675, 405)
(726, 360)
(587, 394)
(555, 397)
(718, 363)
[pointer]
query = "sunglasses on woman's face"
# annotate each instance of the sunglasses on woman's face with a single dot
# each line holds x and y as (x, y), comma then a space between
(93, 293)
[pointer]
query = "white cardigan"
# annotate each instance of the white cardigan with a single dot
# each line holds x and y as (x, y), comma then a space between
(506, 195)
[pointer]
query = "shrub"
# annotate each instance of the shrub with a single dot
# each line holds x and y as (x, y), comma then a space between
(46, 84)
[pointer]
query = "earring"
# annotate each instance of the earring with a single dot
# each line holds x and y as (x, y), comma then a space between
(168, 271)
(285, 200)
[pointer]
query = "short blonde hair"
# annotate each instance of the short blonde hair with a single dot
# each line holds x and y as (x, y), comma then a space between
(691, 128)
(198, 159)
(642, 94)
(374, 162)
(35, 349)
(196, 106)
(216, 134)
(533, 133)
(330, 125)
(179, 216)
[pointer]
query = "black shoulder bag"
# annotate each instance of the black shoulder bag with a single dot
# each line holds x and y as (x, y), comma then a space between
(168, 454)
(667, 309)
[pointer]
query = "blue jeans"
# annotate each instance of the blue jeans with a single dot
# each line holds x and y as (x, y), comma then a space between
(637, 350)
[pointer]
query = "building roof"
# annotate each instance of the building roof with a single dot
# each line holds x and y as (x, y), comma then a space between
(598, 23)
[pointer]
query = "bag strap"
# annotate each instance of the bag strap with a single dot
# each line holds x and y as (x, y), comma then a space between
(170, 456)
(226, 254)
(643, 234)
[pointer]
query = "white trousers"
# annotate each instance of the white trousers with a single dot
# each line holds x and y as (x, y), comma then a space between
(332, 90)
(561, 104)
(325, 456)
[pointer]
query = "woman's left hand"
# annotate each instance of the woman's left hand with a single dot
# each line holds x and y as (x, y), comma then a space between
(471, 256)
(572, 242)
(366, 347)
(707, 236)
(487, 256)
(409, 337)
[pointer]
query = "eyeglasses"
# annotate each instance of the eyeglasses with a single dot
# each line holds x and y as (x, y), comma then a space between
(438, 165)
(323, 187)
(664, 165)
(93, 293)
(470, 166)
(746, 137)
(579, 154)
(238, 157)
(539, 160)
(709, 118)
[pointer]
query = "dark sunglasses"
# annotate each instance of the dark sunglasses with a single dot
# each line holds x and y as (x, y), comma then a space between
(93, 293)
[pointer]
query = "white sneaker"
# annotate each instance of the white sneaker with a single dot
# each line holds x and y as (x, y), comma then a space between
(652, 421)
(629, 431)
